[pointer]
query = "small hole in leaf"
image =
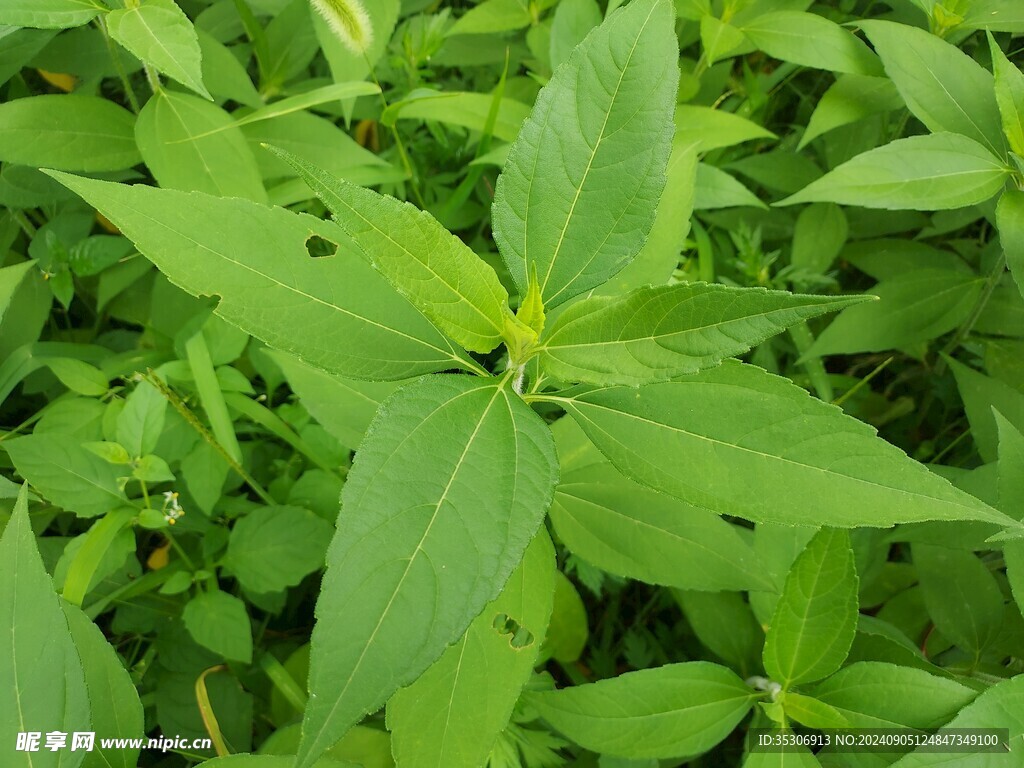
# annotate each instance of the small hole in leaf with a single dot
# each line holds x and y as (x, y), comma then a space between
(318, 247)
(518, 636)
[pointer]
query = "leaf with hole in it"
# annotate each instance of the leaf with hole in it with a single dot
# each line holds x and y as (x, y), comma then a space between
(335, 312)
(581, 185)
(413, 563)
(659, 333)
(432, 268)
(455, 710)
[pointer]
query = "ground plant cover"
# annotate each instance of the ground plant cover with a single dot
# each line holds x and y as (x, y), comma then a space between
(511, 384)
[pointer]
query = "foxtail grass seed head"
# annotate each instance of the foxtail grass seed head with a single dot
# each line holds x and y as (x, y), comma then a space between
(348, 20)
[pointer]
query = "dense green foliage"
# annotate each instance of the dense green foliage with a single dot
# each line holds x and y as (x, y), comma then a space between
(510, 384)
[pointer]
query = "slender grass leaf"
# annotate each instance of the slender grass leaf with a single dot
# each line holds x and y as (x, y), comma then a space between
(669, 711)
(811, 41)
(922, 173)
(335, 312)
(413, 564)
(308, 99)
(1010, 218)
(816, 616)
(659, 333)
(756, 446)
(581, 185)
(49, 14)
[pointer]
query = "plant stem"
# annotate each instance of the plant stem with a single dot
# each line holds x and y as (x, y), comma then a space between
(979, 306)
(129, 91)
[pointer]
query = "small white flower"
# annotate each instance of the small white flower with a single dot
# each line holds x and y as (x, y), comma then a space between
(348, 20)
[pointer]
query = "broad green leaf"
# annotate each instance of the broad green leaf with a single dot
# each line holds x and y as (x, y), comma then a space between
(922, 173)
(943, 87)
(849, 99)
(273, 548)
(568, 630)
(724, 623)
(756, 446)
(1001, 706)
(1009, 84)
(811, 712)
(994, 15)
(717, 189)
(493, 16)
(219, 621)
(336, 313)
(669, 711)
(68, 132)
(821, 230)
(42, 685)
(273, 761)
(715, 128)
(10, 279)
(962, 596)
(67, 474)
(873, 694)
(888, 258)
(20, 46)
(116, 711)
(658, 333)
(721, 39)
(432, 268)
(408, 571)
(470, 110)
(1010, 218)
(811, 41)
(193, 145)
(572, 21)
(581, 186)
(916, 306)
(816, 616)
(981, 394)
(632, 531)
(141, 421)
(452, 714)
(159, 33)
(49, 14)
(796, 757)
(224, 75)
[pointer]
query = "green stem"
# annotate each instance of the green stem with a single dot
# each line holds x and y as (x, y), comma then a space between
(979, 306)
(129, 91)
(399, 144)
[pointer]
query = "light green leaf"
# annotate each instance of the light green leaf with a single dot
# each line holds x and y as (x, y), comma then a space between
(336, 312)
(820, 233)
(493, 16)
(67, 474)
(632, 531)
(42, 685)
(273, 548)
(1011, 499)
(811, 41)
(68, 132)
(159, 33)
(572, 22)
(720, 39)
(193, 145)
(796, 757)
(715, 128)
(49, 14)
(717, 189)
(816, 616)
(1009, 84)
(724, 623)
(452, 714)
(273, 761)
(849, 99)
(922, 173)
(669, 711)
(432, 268)
(756, 446)
(469, 110)
(943, 87)
(220, 622)
(1010, 219)
(79, 376)
(568, 630)
(10, 279)
(224, 75)
(981, 394)
(308, 99)
(995, 16)
(808, 711)
(141, 421)
(659, 333)
(407, 571)
(581, 185)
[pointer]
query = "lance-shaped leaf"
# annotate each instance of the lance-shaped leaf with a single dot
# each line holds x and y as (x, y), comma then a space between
(582, 182)
(334, 312)
(446, 491)
(1010, 218)
(427, 264)
(42, 685)
(658, 333)
(1009, 84)
(816, 616)
(48, 14)
(450, 717)
(669, 711)
(740, 441)
(811, 41)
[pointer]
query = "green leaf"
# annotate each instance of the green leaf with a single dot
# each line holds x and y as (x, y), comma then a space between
(68, 132)
(43, 685)
(67, 474)
(725, 624)
(407, 571)
(568, 631)
(922, 173)
(308, 99)
(193, 145)
(717, 189)
(632, 531)
(811, 41)
(720, 39)
(141, 421)
(943, 87)
(1009, 85)
(160, 34)
(220, 622)
(872, 694)
(432, 268)
(849, 99)
(659, 333)
(572, 22)
(994, 15)
(581, 185)
(273, 548)
(1011, 499)
(962, 596)
(757, 446)
(48, 14)
(453, 713)
(816, 617)
(981, 394)
(821, 230)
(669, 711)
(470, 110)
(715, 128)
(808, 711)
(1010, 219)
(493, 16)
(79, 376)
(336, 312)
